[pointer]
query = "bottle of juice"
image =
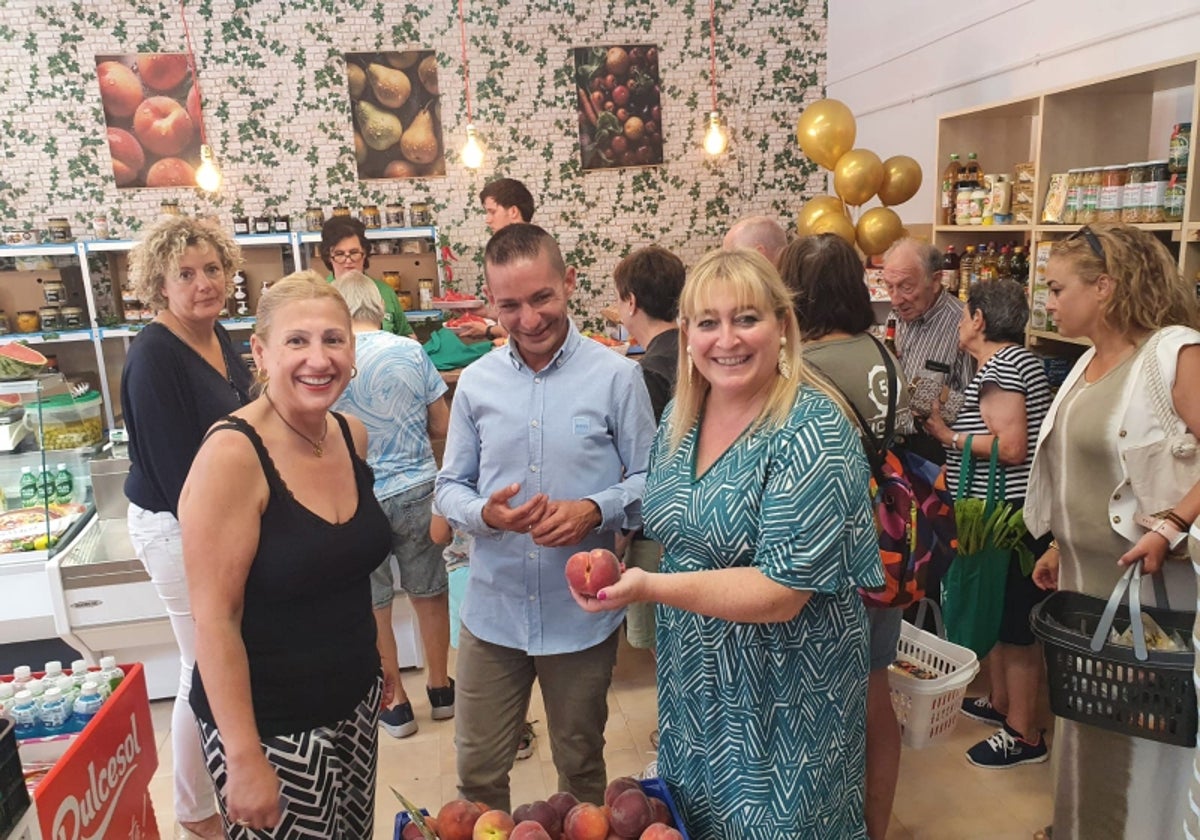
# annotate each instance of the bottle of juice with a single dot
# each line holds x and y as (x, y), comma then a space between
(950, 190)
(949, 273)
(966, 272)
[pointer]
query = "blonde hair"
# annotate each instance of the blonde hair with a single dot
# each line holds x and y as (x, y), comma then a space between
(754, 283)
(1148, 290)
(157, 255)
(361, 295)
(295, 287)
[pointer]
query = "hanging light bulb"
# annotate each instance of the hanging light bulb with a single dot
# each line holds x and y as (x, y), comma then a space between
(715, 139)
(208, 177)
(472, 152)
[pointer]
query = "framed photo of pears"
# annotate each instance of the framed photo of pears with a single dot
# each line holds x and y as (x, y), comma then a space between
(393, 107)
(619, 99)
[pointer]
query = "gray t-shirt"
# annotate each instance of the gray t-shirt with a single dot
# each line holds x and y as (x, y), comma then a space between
(855, 365)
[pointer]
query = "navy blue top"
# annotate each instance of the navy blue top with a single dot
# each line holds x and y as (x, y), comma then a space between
(307, 609)
(170, 396)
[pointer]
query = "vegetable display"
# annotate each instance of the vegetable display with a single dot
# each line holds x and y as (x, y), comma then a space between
(620, 106)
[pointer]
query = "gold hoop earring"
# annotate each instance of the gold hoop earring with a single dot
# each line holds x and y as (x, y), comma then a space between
(353, 371)
(785, 364)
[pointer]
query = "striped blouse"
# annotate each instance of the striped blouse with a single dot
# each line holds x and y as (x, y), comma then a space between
(1011, 368)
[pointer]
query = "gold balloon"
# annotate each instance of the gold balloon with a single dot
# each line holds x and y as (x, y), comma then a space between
(878, 228)
(826, 131)
(857, 176)
(836, 224)
(814, 209)
(901, 180)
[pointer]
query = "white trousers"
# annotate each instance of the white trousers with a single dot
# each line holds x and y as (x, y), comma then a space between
(157, 540)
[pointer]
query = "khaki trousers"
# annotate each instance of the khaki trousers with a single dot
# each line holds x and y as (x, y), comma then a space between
(492, 690)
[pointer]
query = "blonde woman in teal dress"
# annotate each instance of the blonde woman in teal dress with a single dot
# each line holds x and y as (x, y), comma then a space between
(1120, 288)
(758, 491)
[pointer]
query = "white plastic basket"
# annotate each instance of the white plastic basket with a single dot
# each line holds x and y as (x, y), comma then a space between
(928, 710)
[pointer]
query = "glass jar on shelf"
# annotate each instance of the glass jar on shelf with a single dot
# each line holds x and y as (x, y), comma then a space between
(5, 325)
(1131, 201)
(1112, 192)
(1173, 200)
(49, 318)
(28, 321)
(54, 292)
(314, 218)
(1090, 179)
(1154, 191)
(393, 214)
(370, 216)
(1180, 148)
(72, 317)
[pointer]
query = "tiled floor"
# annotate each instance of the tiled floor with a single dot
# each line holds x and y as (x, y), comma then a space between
(940, 796)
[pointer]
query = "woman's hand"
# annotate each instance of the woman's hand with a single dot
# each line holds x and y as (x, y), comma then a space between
(1045, 571)
(629, 589)
(252, 792)
(936, 426)
(1151, 549)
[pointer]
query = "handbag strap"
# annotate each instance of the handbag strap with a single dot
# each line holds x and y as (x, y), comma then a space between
(1131, 583)
(1160, 396)
(876, 448)
(997, 481)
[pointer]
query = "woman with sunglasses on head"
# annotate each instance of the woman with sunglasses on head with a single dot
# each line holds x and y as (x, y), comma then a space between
(344, 248)
(1120, 288)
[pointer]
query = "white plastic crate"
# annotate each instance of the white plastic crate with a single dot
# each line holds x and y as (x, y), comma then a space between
(928, 710)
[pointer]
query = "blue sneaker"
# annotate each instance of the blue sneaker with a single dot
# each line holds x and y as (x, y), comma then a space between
(1007, 749)
(982, 710)
(399, 721)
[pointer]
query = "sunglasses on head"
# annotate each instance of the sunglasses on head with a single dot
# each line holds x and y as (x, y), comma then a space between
(1093, 241)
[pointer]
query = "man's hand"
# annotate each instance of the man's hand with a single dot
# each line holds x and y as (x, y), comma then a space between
(566, 523)
(521, 519)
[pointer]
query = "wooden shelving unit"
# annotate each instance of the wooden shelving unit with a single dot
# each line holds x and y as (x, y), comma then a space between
(1104, 121)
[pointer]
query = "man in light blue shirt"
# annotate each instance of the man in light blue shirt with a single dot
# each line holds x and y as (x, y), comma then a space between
(546, 455)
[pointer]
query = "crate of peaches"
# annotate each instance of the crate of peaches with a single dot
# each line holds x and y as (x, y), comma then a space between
(632, 810)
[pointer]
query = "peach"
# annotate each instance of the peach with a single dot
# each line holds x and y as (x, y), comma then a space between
(618, 786)
(529, 830)
(631, 813)
(456, 819)
(543, 813)
(590, 571)
(163, 71)
(163, 126)
(586, 822)
(127, 156)
(658, 831)
(193, 106)
(493, 825)
(662, 811)
(120, 90)
(171, 172)
(562, 802)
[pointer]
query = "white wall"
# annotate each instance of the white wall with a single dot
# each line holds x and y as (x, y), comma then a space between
(899, 64)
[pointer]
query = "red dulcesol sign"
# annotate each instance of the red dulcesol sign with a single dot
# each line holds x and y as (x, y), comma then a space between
(100, 787)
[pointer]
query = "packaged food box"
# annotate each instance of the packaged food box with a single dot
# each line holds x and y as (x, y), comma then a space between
(1056, 199)
(1022, 194)
(1023, 173)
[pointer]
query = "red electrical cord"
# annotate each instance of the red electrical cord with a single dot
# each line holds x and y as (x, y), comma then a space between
(462, 27)
(712, 29)
(195, 80)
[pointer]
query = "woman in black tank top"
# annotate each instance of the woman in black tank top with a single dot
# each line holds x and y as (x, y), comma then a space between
(281, 531)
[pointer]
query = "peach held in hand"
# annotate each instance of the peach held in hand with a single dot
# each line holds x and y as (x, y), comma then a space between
(590, 571)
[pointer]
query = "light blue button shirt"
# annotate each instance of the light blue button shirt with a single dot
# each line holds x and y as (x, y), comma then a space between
(580, 428)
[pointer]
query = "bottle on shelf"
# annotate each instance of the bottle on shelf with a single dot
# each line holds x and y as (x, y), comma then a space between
(973, 170)
(1020, 266)
(7, 698)
(54, 670)
(45, 486)
(88, 703)
(22, 674)
(68, 688)
(949, 273)
(988, 263)
(966, 272)
(54, 713)
(110, 673)
(29, 487)
(889, 336)
(1004, 264)
(37, 688)
(64, 485)
(950, 180)
(24, 713)
(79, 671)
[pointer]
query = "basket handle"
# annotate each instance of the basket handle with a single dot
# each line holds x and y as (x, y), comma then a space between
(1131, 583)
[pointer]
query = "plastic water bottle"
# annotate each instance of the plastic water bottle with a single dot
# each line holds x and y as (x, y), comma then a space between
(25, 716)
(88, 703)
(54, 713)
(22, 674)
(29, 488)
(45, 485)
(79, 672)
(7, 698)
(37, 688)
(53, 672)
(110, 674)
(64, 485)
(69, 690)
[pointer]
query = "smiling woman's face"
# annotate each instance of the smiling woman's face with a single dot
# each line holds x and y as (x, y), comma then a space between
(736, 348)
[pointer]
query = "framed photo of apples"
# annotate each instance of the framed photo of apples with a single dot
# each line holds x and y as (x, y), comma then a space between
(152, 114)
(396, 114)
(619, 99)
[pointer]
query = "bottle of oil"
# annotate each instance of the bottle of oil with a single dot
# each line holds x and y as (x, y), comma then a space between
(889, 336)
(972, 171)
(950, 181)
(966, 272)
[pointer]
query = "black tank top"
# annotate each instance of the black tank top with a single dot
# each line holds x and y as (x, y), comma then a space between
(306, 621)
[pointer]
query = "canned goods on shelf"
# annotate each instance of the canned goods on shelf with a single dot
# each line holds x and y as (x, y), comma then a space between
(419, 214)
(262, 224)
(54, 292)
(72, 318)
(60, 229)
(370, 216)
(241, 225)
(50, 318)
(393, 215)
(314, 218)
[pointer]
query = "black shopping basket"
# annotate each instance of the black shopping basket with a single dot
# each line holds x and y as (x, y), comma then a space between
(1130, 690)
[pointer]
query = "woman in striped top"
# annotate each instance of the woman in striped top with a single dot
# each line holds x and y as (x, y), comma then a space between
(1006, 401)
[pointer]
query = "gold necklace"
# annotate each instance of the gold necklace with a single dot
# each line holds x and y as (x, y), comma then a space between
(317, 445)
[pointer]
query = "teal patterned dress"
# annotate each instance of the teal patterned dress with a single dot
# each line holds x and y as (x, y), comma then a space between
(762, 726)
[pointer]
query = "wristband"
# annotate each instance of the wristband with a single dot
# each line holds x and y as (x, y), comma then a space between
(954, 441)
(1165, 528)
(487, 333)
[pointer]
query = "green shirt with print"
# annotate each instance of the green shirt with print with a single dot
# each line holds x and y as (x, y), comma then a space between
(393, 314)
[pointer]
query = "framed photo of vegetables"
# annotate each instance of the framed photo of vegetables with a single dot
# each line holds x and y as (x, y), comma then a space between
(620, 106)
(395, 114)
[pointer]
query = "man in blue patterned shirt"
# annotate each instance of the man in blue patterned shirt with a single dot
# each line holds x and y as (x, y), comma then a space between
(546, 455)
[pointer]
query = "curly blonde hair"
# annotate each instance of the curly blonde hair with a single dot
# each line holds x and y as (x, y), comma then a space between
(156, 256)
(1148, 291)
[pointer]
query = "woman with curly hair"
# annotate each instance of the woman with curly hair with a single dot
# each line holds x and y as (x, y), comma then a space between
(181, 374)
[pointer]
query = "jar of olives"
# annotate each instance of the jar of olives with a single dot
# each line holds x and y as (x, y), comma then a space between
(28, 321)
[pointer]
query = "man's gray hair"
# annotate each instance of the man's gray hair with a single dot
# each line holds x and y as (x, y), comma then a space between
(362, 297)
(928, 256)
